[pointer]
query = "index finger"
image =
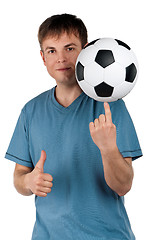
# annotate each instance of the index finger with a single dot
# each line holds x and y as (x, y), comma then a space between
(108, 115)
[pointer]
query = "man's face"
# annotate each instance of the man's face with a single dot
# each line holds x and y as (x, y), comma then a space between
(59, 56)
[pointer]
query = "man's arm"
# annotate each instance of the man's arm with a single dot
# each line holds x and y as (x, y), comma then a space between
(20, 176)
(28, 181)
(118, 171)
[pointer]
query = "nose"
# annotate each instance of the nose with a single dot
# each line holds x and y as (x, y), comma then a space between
(61, 57)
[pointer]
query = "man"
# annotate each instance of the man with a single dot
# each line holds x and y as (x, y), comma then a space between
(74, 153)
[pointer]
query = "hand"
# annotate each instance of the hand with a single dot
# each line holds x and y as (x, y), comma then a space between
(103, 131)
(38, 182)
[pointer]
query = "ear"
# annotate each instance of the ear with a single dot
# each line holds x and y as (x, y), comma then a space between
(43, 57)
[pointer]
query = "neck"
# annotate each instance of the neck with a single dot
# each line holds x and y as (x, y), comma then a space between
(66, 95)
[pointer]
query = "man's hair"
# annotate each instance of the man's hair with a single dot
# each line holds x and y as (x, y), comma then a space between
(58, 24)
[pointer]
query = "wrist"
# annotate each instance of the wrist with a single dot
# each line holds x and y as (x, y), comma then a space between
(110, 151)
(27, 183)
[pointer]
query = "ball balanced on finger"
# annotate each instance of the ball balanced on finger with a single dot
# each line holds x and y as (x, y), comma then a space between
(107, 69)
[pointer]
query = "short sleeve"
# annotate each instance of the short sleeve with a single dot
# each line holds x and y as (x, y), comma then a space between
(127, 140)
(18, 150)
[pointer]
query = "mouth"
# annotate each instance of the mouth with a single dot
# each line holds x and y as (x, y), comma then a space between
(63, 69)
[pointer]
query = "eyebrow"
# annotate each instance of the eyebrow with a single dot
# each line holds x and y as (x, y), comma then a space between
(67, 45)
(70, 44)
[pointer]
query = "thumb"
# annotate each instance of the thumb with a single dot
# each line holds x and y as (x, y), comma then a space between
(40, 163)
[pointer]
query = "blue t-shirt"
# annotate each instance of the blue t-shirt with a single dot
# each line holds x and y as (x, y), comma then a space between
(81, 205)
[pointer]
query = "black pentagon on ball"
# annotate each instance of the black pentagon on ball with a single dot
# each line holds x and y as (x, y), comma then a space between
(80, 71)
(131, 72)
(104, 58)
(103, 90)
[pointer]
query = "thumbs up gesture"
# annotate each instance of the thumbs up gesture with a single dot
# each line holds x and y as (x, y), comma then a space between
(40, 183)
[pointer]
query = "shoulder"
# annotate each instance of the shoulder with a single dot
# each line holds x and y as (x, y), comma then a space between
(117, 107)
(95, 108)
(120, 114)
(36, 105)
(37, 101)
(39, 98)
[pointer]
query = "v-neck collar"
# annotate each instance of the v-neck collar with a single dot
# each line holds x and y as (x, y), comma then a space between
(71, 106)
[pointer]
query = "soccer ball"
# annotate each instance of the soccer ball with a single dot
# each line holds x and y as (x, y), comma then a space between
(106, 69)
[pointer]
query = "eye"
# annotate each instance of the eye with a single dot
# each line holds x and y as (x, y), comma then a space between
(51, 51)
(70, 49)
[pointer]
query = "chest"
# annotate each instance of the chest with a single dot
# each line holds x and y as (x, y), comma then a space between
(72, 156)
(62, 136)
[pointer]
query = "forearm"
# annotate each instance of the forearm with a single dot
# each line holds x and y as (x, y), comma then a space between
(118, 172)
(20, 182)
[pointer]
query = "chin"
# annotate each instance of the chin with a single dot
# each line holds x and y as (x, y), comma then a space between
(67, 81)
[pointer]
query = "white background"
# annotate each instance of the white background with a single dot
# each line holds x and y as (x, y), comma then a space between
(23, 76)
